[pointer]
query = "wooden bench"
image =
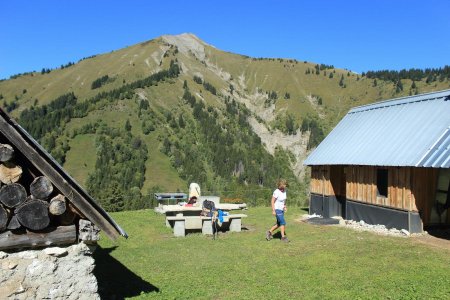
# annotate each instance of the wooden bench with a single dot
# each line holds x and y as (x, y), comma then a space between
(181, 223)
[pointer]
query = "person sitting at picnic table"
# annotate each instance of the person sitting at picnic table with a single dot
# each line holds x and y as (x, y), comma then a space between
(192, 201)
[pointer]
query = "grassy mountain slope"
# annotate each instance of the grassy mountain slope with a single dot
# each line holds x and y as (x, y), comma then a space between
(228, 121)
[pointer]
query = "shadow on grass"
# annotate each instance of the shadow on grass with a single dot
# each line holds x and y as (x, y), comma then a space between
(304, 209)
(442, 232)
(116, 281)
(277, 235)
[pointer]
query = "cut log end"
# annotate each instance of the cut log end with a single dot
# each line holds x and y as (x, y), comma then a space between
(13, 195)
(33, 214)
(41, 187)
(10, 173)
(6, 152)
(57, 205)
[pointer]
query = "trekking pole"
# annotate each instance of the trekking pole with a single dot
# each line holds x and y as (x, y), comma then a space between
(215, 225)
(212, 227)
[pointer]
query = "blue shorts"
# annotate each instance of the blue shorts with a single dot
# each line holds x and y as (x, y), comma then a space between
(280, 217)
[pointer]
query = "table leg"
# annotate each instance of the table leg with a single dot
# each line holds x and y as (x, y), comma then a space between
(179, 229)
(207, 227)
(235, 225)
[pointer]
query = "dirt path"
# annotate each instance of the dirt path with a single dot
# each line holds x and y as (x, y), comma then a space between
(436, 239)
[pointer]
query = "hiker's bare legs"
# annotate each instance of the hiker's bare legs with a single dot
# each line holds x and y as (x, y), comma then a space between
(282, 230)
(274, 227)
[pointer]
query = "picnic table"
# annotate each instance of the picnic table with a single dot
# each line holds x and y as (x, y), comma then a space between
(182, 218)
(182, 209)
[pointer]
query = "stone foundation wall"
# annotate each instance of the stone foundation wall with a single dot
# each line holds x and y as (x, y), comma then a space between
(51, 273)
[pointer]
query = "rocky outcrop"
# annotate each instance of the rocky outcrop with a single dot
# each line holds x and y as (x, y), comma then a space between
(255, 101)
(52, 273)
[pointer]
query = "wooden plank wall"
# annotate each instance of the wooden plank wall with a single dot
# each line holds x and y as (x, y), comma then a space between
(410, 189)
(337, 180)
(328, 180)
(424, 183)
(362, 186)
(320, 181)
(399, 188)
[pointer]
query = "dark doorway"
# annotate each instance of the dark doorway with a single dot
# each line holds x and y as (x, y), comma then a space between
(382, 182)
(338, 182)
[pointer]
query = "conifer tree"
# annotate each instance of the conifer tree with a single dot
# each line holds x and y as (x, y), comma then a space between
(181, 122)
(341, 82)
(398, 86)
(127, 125)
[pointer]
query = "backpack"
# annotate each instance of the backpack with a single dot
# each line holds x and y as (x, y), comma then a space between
(208, 208)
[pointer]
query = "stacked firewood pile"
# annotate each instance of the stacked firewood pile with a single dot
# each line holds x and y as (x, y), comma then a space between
(30, 205)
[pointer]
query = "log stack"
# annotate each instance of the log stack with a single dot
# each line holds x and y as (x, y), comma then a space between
(32, 211)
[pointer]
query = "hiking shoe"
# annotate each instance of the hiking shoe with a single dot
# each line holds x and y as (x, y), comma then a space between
(268, 235)
(285, 239)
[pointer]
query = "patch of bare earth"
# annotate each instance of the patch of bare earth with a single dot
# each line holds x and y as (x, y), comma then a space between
(435, 238)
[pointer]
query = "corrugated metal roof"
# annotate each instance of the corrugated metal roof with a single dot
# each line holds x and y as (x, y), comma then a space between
(409, 131)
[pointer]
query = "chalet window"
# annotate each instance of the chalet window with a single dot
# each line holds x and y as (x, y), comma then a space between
(382, 182)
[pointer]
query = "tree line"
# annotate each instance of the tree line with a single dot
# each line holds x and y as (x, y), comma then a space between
(43, 119)
(429, 74)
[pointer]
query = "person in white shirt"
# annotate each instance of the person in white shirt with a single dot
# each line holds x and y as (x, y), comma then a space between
(278, 210)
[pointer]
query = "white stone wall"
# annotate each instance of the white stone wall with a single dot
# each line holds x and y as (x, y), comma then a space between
(51, 273)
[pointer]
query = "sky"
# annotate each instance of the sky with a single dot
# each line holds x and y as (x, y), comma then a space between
(357, 35)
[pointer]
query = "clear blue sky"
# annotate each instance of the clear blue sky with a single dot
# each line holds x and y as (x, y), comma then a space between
(357, 35)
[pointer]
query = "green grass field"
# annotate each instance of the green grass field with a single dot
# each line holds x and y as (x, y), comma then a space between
(320, 262)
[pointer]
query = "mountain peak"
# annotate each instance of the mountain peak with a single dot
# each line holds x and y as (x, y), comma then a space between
(186, 42)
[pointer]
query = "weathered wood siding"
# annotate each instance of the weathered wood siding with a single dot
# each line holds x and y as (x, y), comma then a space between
(320, 180)
(361, 185)
(328, 180)
(423, 183)
(410, 189)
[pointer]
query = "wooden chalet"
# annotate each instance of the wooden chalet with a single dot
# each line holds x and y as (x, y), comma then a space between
(387, 163)
(40, 204)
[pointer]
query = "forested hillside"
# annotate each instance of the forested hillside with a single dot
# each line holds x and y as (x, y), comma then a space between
(174, 110)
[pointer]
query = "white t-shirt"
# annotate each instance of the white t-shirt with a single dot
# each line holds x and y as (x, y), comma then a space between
(280, 199)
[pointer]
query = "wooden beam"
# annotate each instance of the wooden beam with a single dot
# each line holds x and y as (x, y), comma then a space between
(52, 236)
